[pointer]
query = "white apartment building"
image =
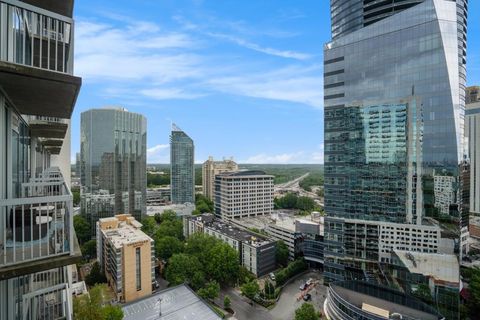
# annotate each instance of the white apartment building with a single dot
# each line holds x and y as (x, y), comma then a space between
(444, 192)
(472, 136)
(210, 169)
(243, 194)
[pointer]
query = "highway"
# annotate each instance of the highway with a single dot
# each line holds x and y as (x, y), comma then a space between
(294, 186)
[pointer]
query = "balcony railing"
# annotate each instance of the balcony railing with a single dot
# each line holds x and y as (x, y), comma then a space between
(48, 303)
(39, 224)
(35, 37)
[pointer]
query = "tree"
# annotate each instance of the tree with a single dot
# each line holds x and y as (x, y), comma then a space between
(250, 289)
(95, 276)
(89, 306)
(281, 253)
(210, 291)
(305, 204)
(306, 312)
(269, 290)
(112, 312)
(170, 228)
(244, 275)
(289, 201)
(76, 197)
(149, 226)
(89, 249)
(423, 293)
(167, 246)
(223, 263)
(82, 228)
(198, 280)
(199, 244)
(227, 302)
(167, 215)
(182, 268)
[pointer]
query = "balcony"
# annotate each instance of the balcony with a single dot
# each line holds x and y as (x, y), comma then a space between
(36, 56)
(38, 227)
(47, 127)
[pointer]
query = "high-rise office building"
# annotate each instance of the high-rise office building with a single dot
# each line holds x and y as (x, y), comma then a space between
(37, 96)
(113, 160)
(182, 170)
(393, 129)
(243, 194)
(472, 138)
(212, 168)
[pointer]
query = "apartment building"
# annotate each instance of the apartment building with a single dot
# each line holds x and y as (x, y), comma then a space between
(210, 169)
(256, 252)
(37, 96)
(243, 194)
(127, 256)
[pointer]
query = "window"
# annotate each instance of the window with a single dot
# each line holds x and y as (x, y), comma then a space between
(138, 267)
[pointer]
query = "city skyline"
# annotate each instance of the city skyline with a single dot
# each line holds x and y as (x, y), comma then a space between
(274, 48)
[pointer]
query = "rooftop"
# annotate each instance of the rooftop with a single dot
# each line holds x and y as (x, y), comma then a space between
(127, 232)
(176, 303)
(245, 173)
(232, 231)
(442, 267)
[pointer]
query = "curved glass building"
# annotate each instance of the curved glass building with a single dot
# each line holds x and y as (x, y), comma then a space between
(394, 97)
(182, 167)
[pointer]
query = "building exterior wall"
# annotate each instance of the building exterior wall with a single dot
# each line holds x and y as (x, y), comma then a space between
(114, 158)
(182, 160)
(243, 194)
(472, 136)
(210, 169)
(131, 291)
(413, 66)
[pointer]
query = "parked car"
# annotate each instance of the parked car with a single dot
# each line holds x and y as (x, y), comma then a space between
(309, 281)
(303, 286)
(272, 276)
(307, 297)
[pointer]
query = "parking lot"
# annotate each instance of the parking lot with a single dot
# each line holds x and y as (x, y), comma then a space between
(290, 298)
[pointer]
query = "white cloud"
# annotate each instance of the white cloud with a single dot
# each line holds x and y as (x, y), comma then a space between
(172, 93)
(315, 157)
(253, 46)
(158, 154)
(293, 84)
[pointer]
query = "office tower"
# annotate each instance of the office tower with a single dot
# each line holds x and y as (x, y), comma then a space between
(210, 169)
(113, 161)
(394, 85)
(243, 194)
(37, 96)
(182, 171)
(472, 138)
(127, 256)
(77, 165)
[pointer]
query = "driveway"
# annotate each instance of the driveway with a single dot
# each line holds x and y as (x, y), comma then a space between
(288, 302)
(241, 306)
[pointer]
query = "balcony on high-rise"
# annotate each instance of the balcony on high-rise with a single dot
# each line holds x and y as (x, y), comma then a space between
(36, 56)
(38, 229)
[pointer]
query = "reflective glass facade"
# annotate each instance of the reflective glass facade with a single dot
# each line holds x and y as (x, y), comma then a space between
(182, 175)
(394, 122)
(113, 158)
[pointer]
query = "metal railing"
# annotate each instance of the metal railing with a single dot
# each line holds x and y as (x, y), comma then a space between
(45, 119)
(39, 224)
(48, 303)
(35, 37)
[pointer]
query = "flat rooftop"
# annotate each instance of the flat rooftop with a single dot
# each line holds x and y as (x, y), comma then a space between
(282, 219)
(238, 234)
(176, 303)
(125, 234)
(442, 267)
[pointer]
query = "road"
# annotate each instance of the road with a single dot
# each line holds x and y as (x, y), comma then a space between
(241, 306)
(293, 183)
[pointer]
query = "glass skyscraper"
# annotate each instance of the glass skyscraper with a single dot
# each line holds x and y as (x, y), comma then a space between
(182, 172)
(394, 96)
(113, 162)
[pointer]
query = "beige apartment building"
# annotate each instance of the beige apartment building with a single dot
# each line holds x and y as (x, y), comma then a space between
(127, 256)
(212, 168)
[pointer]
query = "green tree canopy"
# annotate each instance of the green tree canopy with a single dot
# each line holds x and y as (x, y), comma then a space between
(199, 244)
(167, 215)
(149, 225)
(112, 312)
(96, 276)
(306, 312)
(250, 289)
(305, 204)
(281, 253)
(170, 228)
(210, 291)
(182, 268)
(227, 302)
(223, 263)
(82, 228)
(89, 306)
(167, 246)
(89, 249)
(474, 288)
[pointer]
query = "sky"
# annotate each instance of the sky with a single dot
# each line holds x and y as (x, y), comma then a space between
(243, 78)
